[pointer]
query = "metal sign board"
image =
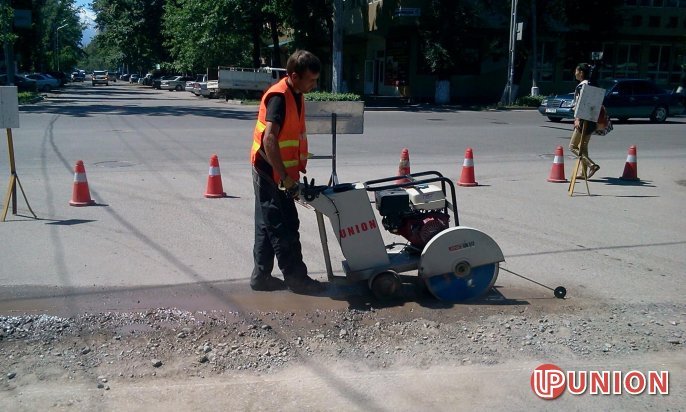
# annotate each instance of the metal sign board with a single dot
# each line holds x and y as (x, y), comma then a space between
(408, 12)
(590, 100)
(349, 117)
(9, 107)
(22, 19)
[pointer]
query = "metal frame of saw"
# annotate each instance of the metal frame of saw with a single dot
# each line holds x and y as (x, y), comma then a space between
(351, 215)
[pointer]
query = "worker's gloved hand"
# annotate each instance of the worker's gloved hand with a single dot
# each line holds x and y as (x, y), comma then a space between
(289, 186)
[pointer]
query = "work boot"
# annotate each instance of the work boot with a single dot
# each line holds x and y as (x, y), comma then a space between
(305, 285)
(267, 283)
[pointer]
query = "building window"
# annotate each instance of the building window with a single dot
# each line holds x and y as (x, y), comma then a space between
(627, 61)
(673, 22)
(546, 61)
(654, 21)
(636, 21)
(658, 63)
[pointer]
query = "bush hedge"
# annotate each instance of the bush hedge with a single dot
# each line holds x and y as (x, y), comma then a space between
(529, 101)
(332, 97)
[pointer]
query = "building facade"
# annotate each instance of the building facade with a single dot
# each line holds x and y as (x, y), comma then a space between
(383, 50)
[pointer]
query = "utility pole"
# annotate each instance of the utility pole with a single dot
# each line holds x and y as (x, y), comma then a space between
(508, 95)
(534, 87)
(337, 46)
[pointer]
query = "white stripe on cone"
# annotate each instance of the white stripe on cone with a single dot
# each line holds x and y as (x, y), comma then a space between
(80, 178)
(468, 162)
(214, 171)
(631, 159)
(558, 160)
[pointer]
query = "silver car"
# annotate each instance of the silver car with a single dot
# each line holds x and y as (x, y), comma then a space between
(100, 77)
(178, 83)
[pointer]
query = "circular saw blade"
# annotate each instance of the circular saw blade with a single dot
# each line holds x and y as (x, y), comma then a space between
(460, 264)
(451, 288)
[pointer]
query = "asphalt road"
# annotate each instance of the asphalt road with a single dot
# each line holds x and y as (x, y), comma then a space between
(146, 154)
(153, 240)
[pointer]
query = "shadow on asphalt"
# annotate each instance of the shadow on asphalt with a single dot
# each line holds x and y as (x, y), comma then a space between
(87, 111)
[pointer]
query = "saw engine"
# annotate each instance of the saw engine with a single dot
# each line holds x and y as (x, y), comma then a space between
(416, 213)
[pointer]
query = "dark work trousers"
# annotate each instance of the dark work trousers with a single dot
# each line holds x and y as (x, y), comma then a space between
(276, 231)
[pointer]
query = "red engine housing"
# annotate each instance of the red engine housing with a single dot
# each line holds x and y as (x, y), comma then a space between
(421, 228)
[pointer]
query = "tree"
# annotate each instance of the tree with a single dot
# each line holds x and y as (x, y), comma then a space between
(130, 32)
(37, 48)
(201, 34)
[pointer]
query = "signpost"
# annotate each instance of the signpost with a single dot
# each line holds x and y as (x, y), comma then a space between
(9, 118)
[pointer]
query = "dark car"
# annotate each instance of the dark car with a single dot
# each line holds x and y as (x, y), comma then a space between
(23, 84)
(624, 99)
(78, 77)
(62, 77)
(558, 107)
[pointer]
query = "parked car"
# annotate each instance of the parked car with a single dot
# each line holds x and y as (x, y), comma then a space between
(124, 77)
(177, 83)
(557, 107)
(624, 99)
(146, 80)
(134, 78)
(44, 82)
(78, 77)
(62, 77)
(100, 77)
(157, 82)
(23, 84)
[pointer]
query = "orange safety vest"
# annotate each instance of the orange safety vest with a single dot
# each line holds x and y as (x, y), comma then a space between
(292, 137)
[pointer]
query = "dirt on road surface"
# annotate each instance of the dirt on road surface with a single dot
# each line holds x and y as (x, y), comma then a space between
(318, 353)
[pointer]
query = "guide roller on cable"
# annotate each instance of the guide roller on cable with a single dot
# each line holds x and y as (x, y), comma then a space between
(456, 263)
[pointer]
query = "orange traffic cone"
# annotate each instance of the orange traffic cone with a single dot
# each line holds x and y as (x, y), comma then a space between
(404, 166)
(80, 195)
(214, 179)
(631, 166)
(557, 172)
(467, 175)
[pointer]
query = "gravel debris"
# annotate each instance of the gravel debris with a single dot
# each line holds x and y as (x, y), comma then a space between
(135, 345)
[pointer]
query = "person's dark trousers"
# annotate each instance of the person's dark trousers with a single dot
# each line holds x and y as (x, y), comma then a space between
(276, 231)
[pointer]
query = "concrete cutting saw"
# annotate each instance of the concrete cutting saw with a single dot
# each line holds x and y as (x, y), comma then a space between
(456, 263)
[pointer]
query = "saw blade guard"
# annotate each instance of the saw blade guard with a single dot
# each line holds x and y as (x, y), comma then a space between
(460, 264)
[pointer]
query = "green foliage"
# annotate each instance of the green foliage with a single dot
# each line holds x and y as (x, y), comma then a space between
(529, 101)
(201, 34)
(6, 17)
(449, 36)
(332, 97)
(130, 33)
(43, 47)
(28, 97)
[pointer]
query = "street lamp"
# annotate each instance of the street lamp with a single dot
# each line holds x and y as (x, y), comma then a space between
(58, 45)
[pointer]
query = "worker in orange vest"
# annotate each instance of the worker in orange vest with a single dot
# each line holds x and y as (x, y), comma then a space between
(278, 156)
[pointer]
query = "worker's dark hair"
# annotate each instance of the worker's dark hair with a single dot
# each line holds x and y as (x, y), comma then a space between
(585, 69)
(301, 61)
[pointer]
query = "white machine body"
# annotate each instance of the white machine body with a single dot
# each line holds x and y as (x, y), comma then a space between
(426, 197)
(355, 226)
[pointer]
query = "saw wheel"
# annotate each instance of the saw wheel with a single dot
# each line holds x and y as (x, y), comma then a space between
(460, 264)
